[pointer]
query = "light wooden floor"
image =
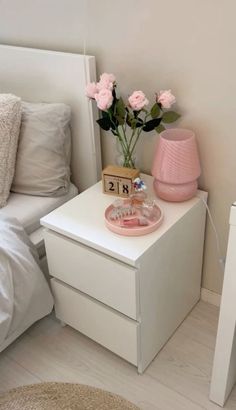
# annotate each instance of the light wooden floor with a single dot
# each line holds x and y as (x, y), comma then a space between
(178, 379)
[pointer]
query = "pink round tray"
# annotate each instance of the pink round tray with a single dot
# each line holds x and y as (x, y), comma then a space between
(114, 226)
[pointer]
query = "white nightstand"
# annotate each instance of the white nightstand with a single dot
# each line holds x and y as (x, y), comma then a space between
(127, 293)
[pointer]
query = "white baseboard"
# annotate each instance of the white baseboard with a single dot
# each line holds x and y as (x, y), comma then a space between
(210, 297)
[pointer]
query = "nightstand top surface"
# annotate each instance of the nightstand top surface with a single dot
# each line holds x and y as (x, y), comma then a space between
(82, 219)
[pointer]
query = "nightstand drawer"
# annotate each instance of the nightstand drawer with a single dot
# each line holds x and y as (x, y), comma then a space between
(106, 279)
(102, 324)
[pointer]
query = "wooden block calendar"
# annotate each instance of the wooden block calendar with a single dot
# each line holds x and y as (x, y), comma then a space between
(118, 180)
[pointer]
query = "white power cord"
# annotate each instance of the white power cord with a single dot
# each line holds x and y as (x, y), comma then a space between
(221, 259)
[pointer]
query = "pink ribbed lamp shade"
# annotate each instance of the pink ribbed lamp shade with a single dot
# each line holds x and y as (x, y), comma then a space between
(176, 165)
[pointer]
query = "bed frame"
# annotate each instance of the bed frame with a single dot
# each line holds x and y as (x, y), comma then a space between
(51, 76)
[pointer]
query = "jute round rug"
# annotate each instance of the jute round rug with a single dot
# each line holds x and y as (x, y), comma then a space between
(62, 396)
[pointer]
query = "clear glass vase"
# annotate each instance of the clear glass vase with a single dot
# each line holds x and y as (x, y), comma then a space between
(125, 158)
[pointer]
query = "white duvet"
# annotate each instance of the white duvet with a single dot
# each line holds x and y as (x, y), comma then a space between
(24, 293)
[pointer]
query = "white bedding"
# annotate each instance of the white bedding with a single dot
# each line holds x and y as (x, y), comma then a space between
(25, 296)
(28, 209)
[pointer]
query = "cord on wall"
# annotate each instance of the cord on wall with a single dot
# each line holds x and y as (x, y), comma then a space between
(221, 259)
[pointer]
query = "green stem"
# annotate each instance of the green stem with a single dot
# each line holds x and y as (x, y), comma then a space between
(121, 140)
(131, 150)
(117, 133)
(128, 144)
(128, 162)
(124, 134)
(135, 142)
(131, 138)
(125, 144)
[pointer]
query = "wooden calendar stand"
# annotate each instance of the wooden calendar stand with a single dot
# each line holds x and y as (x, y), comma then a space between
(118, 180)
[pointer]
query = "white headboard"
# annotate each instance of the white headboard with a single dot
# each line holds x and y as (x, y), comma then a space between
(50, 76)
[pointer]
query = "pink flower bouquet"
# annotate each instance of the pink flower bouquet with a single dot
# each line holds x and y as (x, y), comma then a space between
(127, 120)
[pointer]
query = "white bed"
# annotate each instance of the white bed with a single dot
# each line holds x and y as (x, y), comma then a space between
(49, 76)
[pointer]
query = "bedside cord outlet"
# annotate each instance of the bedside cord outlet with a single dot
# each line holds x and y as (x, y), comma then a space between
(221, 259)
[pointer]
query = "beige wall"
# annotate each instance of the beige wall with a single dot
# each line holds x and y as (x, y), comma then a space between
(185, 45)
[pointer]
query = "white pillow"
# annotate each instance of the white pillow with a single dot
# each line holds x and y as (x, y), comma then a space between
(43, 156)
(10, 118)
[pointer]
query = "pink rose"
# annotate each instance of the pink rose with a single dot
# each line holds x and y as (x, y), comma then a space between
(91, 90)
(104, 99)
(137, 100)
(165, 98)
(106, 81)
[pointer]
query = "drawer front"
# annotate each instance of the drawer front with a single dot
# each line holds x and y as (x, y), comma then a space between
(102, 324)
(93, 273)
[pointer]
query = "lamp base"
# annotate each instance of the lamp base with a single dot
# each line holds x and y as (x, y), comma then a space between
(175, 192)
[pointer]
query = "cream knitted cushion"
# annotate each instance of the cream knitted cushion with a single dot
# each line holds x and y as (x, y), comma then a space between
(10, 120)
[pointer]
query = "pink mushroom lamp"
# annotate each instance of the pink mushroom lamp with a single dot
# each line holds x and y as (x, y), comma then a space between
(176, 166)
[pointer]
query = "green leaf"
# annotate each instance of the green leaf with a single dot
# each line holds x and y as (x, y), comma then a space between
(150, 125)
(136, 113)
(104, 123)
(105, 114)
(155, 111)
(160, 128)
(128, 119)
(136, 122)
(120, 120)
(170, 116)
(139, 122)
(120, 108)
(133, 123)
(114, 122)
(114, 94)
